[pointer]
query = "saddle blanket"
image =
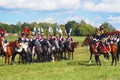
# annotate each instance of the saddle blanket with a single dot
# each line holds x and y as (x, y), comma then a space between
(105, 49)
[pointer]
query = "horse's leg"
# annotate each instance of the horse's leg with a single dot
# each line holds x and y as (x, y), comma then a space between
(115, 60)
(8, 60)
(106, 57)
(96, 60)
(99, 60)
(112, 59)
(65, 55)
(13, 57)
(72, 55)
(117, 56)
(90, 60)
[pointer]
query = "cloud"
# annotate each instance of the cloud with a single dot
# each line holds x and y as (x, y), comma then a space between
(40, 5)
(103, 6)
(113, 19)
(48, 20)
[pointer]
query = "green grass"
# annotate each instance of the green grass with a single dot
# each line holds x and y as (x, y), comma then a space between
(77, 69)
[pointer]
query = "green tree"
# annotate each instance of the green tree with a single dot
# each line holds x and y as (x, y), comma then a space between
(107, 26)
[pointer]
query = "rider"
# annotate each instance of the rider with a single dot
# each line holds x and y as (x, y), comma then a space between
(2, 32)
(103, 44)
(5, 42)
(69, 38)
(21, 38)
(60, 37)
(57, 38)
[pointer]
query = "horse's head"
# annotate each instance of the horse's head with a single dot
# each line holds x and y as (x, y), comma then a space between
(67, 45)
(86, 42)
(75, 44)
(37, 43)
(16, 43)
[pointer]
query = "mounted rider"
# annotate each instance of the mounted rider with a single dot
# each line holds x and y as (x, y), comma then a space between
(59, 31)
(61, 37)
(2, 33)
(5, 42)
(103, 44)
(69, 38)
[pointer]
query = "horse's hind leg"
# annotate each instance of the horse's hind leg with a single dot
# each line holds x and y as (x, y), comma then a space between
(115, 61)
(112, 60)
(72, 55)
(96, 59)
(99, 61)
(6, 59)
(117, 56)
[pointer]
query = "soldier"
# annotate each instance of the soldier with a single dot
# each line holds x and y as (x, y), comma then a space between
(50, 37)
(57, 38)
(2, 32)
(103, 34)
(21, 38)
(60, 37)
(69, 38)
(5, 42)
(42, 37)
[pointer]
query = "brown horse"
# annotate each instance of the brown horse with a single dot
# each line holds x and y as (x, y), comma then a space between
(93, 50)
(88, 42)
(70, 48)
(114, 49)
(9, 50)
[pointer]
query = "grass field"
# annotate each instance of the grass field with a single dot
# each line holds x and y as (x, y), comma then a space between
(77, 69)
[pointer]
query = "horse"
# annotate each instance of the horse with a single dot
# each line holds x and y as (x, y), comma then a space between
(61, 46)
(69, 47)
(114, 50)
(9, 48)
(118, 50)
(55, 49)
(39, 50)
(26, 52)
(93, 49)
(47, 50)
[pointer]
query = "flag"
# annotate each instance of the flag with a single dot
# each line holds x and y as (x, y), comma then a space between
(58, 29)
(50, 29)
(38, 29)
(42, 32)
(70, 30)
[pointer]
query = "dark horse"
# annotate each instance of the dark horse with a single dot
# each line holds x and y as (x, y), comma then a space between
(93, 50)
(25, 52)
(9, 48)
(39, 50)
(69, 48)
(55, 49)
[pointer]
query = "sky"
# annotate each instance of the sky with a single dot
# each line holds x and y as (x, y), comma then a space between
(94, 12)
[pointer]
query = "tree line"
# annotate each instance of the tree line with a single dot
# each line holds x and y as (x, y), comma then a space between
(78, 29)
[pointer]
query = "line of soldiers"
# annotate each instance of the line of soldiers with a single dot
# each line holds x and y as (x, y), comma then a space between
(26, 37)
